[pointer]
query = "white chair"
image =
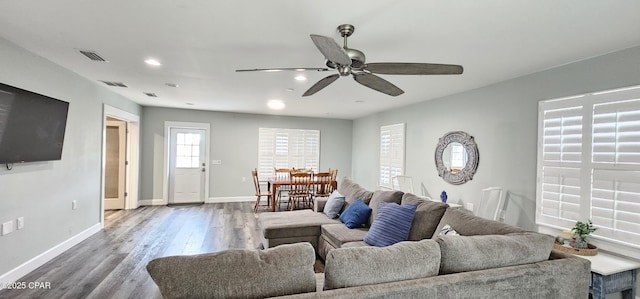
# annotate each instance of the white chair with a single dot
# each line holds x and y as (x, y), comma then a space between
(403, 183)
(491, 204)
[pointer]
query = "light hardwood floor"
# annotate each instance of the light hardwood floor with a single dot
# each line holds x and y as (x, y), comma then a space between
(111, 263)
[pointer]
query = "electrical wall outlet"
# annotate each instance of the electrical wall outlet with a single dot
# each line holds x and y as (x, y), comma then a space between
(244, 179)
(74, 205)
(20, 222)
(7, 228)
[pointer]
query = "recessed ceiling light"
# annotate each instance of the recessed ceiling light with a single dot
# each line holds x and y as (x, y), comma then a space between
(153, 62)
(289, 89)
(190, 104)
(301, 78)
(171, 84)
(275, 104)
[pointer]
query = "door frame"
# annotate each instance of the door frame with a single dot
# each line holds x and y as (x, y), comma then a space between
(167, 143)
(132, 169)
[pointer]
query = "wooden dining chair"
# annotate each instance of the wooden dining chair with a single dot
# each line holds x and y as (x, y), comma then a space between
(322, 186)
(334, 174)
(259, 192)
(281, 174)
(299, 189)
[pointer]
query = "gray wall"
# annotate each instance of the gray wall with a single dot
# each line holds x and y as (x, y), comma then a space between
(234, 140)
(42, 192)
(503, 120)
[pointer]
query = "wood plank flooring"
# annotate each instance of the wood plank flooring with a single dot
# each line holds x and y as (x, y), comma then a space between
(111, 263)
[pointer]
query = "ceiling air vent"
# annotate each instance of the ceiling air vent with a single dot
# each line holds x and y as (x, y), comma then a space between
(112, 83)
(150, 94)
(92, 55)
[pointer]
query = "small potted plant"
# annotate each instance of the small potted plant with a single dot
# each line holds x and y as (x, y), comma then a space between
(580, 232)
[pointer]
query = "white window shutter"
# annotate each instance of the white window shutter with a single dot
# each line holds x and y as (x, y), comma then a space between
(392, 151)
(589, 165)
(287, 148)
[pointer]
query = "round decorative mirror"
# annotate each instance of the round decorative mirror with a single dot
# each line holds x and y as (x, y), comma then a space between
(457, 157)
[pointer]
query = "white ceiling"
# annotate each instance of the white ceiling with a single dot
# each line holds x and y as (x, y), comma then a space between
(201, 44)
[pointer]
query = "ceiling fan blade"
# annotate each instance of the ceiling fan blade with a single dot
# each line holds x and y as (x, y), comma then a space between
(331, 50)
(398, 68)
(377, 83)
(300, 69)
(324, 82)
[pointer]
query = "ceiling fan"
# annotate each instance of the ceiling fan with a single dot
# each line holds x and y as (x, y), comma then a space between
(348, 61)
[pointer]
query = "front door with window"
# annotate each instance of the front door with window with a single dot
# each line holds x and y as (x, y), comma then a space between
(186, 165)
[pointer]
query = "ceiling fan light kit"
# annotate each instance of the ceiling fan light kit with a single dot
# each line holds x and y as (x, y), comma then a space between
(348, 61)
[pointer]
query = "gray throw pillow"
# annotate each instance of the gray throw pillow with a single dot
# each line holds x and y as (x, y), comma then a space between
(427, 217)
(237, 273)
(356, 266)
(471, 253)
(334, 204)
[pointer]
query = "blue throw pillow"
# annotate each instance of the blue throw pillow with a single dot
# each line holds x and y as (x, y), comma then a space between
(392, 224)
(334, 204)
(356, 214)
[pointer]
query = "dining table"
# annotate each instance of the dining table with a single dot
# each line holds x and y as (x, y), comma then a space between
(274, 183)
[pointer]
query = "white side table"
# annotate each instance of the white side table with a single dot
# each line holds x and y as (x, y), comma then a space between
(612, 274)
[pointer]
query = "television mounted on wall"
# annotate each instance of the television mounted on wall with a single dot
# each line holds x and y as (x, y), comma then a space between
(32, 126)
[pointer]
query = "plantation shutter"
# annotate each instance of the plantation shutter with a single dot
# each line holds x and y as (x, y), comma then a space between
(589, 165)
(287, 148)
(561, 159)
(391, 153)
(615, 197)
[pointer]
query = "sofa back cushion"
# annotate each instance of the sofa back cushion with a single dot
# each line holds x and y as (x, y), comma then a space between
(240, 273)
(352, 191)
(427, 217)
(382, 196)
(471, 253)
(467, 224)
(356, 266)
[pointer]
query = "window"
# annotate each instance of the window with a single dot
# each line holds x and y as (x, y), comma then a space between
(589, 164)
(391, 153)
(187, 150)
(287, 148)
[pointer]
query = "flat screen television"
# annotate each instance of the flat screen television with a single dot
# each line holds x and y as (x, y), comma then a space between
(32, 126)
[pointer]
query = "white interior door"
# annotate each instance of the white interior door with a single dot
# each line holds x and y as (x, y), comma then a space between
(186, 165)
(115, 163)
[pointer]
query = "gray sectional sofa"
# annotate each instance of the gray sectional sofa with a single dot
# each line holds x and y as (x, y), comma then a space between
(487, 259)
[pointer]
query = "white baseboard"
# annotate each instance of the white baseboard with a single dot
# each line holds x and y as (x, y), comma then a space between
(43, 258)
(230, 199)
(152, 202)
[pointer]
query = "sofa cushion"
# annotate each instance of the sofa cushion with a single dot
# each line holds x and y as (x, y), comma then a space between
(392, 224)
(237, 273)
(338, 234)
(382, 196)
(356, 214)
(471, 253)
(467, 224)
(344, 267)
(334, 204)
(353, 191)
(292, 224)
(427, 217)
